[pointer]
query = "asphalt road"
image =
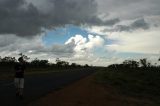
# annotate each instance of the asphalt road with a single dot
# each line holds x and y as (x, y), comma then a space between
(37, 86)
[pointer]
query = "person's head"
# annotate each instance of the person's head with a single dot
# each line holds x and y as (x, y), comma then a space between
(21, 60)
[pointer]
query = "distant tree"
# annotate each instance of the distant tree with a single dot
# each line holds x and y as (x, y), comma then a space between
(135, 64)
(149, 64)
(159, 60)
(86, 65)
(8, 59)
(37, 62)
(65, 63)
(44, 62)
(61, 63)
(116, 66)
(144, 62)
(24, 56)
(130, 63)
(73, 65)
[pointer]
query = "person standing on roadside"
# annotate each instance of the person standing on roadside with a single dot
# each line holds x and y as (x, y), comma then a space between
(19, 77)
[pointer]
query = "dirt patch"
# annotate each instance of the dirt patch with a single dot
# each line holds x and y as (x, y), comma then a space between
(86, 92)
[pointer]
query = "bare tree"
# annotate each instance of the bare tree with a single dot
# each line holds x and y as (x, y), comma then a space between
(24, 56)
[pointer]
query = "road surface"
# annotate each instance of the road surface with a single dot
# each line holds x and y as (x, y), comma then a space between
(37, 86)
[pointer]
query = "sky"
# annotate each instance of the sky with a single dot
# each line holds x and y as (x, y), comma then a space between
(93, 32)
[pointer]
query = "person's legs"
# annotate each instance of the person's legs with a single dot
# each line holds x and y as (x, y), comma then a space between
(16, 82)
(21, 86)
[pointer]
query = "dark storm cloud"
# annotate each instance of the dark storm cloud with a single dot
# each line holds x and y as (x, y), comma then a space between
(14, 19)
(140, 23)
(28, 18)
(137, 24)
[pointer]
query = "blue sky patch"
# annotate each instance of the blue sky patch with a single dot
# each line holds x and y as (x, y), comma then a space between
(61, 35)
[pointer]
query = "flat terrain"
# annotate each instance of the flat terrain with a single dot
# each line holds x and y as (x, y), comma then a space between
(38, 85)
(86, 88)
(81, 93)
(88, 92)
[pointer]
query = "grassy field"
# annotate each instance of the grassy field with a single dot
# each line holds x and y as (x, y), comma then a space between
(8, 72)
(135, 83)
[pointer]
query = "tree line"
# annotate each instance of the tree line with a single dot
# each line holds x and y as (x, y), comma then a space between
(37, 63)
(132, 64)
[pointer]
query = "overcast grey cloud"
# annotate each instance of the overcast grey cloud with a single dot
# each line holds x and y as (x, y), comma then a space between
(135, 25)
(17, 20)
(31, 17)
(11, 44)
(62, 50)
(129, 9)
(140, 23)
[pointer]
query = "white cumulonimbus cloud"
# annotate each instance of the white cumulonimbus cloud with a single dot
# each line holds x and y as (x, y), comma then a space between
(84, 46)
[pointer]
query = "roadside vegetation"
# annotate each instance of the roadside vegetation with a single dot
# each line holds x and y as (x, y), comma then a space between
(139, 79)
(36, 66)
(131, 78)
